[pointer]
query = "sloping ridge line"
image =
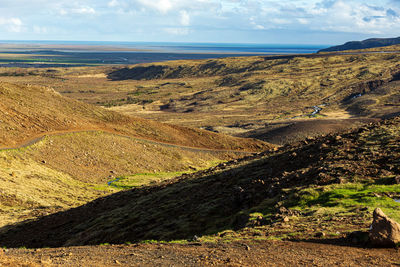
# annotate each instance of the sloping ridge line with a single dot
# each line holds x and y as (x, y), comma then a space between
(40, 137)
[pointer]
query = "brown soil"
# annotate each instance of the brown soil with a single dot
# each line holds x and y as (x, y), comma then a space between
(262, 253)
(282, 133)
(31, 111)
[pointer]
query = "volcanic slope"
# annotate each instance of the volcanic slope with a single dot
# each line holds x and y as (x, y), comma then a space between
(62, 153)
(29, 112)
(328, 185)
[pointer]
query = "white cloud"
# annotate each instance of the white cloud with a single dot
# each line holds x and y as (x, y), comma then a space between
(66, 10)
(113, 3)
(302, 21)
(162, 6)
(185, 18)
(84, 10)
(199, 19)
(11, 24)
(351, 16)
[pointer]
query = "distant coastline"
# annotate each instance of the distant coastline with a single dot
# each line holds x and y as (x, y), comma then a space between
(27, 54)
(161, 47)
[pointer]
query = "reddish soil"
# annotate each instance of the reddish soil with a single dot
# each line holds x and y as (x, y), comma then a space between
(263, 253)
(38, 137)
(25, 121)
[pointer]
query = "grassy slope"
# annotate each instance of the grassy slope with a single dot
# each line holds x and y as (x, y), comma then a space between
(98, 157)
(70, 169)
(31, 189)
(32, 110)
(329, 184)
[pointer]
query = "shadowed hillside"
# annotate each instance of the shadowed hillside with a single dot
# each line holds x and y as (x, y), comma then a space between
(318, 184)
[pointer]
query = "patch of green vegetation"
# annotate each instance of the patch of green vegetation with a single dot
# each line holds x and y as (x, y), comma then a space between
(142, 179)
(342, 198)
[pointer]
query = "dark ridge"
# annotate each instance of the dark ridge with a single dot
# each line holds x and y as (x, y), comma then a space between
(212, 67)
(369, 43)
(137, 73)
(363, 88)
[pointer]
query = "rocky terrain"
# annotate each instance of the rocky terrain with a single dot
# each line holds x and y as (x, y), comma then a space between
(331, 186)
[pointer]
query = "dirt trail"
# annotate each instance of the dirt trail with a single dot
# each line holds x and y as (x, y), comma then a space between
(263, 253)
(41, 136)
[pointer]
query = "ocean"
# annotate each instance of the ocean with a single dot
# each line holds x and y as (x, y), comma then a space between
(89, 52)
(168, 47)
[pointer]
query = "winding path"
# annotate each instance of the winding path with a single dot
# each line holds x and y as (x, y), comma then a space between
(40, 137)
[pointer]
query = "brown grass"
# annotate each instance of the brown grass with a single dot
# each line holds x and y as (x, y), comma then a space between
(30, 111)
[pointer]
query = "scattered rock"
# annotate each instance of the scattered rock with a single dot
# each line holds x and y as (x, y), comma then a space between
(340, 180)
(282, 210)
(358, 237)
(195, 238)
(320, 234)
(324, 146)
(384, 231)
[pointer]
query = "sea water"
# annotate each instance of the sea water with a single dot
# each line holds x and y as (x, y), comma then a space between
(169, 47)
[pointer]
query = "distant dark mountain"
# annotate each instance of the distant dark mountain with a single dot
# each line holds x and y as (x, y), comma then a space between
(369, 43)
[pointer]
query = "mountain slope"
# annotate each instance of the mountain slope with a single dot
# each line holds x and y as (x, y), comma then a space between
(57, 153)
(326, 184)
(365, 44)
(32, 111)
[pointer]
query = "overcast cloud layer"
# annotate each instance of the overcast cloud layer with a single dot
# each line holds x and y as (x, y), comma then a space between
(241, 21)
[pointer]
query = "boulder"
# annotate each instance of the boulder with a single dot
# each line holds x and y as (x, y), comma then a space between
(384, 231)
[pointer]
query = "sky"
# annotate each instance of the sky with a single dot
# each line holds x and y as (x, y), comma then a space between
(205, 21)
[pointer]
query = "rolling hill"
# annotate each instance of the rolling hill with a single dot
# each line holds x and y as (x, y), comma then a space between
(33, 111)
(365, 44)
(57, 153)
